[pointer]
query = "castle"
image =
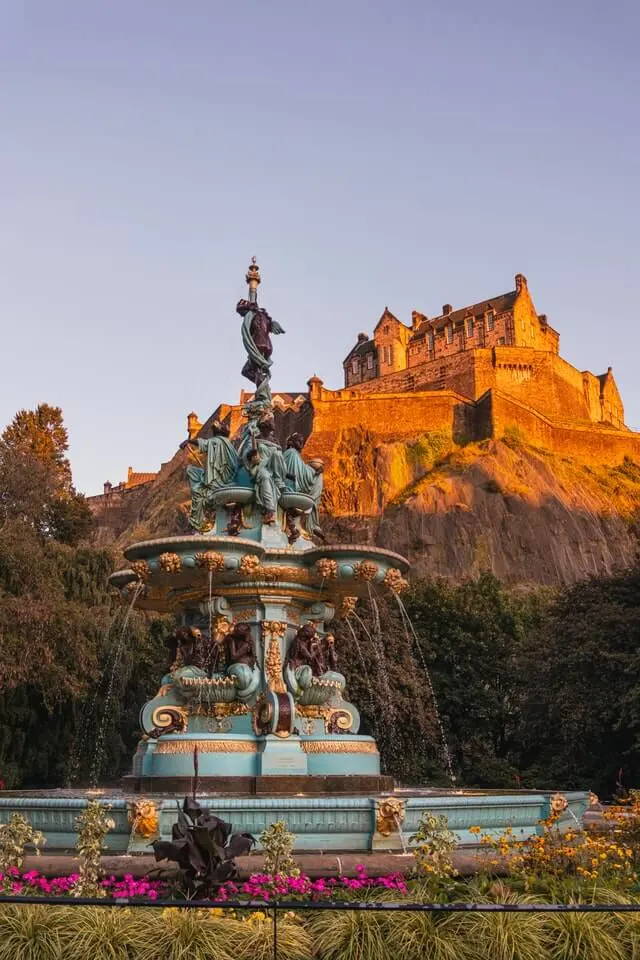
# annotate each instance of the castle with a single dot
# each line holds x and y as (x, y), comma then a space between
(497, 344)
(469, 374)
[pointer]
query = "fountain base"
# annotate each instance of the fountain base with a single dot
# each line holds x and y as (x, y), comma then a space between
(264, 786)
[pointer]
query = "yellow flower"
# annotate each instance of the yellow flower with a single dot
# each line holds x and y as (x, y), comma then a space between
(475, 829)
(216, 912)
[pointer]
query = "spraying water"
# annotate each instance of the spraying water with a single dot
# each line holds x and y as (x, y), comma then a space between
(98, 759)
(365, 674)
(413, 640)
(88, 714)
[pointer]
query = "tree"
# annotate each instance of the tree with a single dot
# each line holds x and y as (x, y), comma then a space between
(35, 477)
(581, 713)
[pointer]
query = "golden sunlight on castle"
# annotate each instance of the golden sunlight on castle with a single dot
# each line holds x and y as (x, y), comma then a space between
(497, 344)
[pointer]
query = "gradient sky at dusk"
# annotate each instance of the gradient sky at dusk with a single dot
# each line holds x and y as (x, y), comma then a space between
(373, 153)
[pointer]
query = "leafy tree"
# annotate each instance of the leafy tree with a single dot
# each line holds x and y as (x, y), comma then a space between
(35, 476)
(581, 713)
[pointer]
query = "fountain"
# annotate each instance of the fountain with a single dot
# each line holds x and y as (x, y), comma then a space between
(252, 712)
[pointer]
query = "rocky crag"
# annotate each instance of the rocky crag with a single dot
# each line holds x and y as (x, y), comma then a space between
(529, 515)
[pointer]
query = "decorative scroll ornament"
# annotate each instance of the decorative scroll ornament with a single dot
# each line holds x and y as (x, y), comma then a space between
(170, 562)
(141, 570)
(210, 560)
(167, 718)
(389, 816)
(275, 631)
(366, 570)
(336, 719)
(348, 607)
(327, 568)
(249, 563)
(143, 817)
(395, 581)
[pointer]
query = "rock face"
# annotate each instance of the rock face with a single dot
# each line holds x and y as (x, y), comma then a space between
(530, 516)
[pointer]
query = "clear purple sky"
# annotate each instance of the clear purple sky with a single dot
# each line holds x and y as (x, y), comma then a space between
(408, 153)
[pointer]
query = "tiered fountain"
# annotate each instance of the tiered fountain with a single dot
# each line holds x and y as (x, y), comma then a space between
(252, 712)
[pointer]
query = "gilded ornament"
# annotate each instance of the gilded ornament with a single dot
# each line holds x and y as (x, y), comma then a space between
(167, 716)
(141, 570)
(206, 746)
(327, 568)
(365, 570)
(273, 667)
(275, 629)
(249, 563)
(559, 803)
(395, 581)
(210, 560)
(220, 627)
(336, 719)
(170, 562)
(143, 817)
(348, 607)
(337, 746)
(389, 816)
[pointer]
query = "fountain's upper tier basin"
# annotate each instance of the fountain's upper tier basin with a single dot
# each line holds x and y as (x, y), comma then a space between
(177, 569)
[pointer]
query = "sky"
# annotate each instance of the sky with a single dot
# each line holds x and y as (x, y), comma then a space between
(391, 152)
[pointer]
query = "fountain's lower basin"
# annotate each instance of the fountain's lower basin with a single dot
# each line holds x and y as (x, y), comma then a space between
(320, 823)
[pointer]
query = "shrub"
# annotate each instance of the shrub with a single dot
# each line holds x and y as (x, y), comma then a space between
(30, 932)
(174, 934)
(277, 844)
(15, 837)
(96, 932)
(93, 826)
(352, 935)
(435, 844)
(253, 938)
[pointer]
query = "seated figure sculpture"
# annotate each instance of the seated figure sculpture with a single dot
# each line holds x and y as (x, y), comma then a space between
(220, 468)
(304, 478)
(311, 666)
(240, 657)
(262, 456)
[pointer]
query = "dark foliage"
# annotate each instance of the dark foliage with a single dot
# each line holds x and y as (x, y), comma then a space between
(204, 849)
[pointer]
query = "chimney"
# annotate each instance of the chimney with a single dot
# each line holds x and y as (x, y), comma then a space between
(363, 337)
(107, 488)
(447, 309)
(542, 318)
(193, 425)
(521, 282)
(417, 319)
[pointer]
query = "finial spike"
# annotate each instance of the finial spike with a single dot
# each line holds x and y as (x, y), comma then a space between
(253, 279)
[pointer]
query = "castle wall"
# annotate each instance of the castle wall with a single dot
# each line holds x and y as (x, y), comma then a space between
(601, 444)
(387, 416)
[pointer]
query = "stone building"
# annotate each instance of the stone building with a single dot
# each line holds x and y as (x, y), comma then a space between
(501, 343)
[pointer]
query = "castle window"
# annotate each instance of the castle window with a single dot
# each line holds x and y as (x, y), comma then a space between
(501, 342)
(432, 342)
(469, 326)
(491, 319)
(355, 366)
(385, 329)
(369, 361)
(449, 331)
